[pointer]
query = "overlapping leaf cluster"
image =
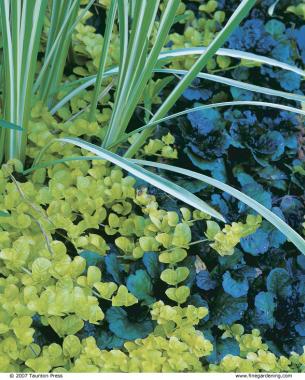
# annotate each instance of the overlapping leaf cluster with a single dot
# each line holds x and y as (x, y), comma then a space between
(87, 286)
(100, 275)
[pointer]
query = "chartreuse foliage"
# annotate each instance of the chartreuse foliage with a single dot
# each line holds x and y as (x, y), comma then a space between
(174, 346)
(254, 355)
(43, 289)
(96, 275)
(137, 61)
(225, 240)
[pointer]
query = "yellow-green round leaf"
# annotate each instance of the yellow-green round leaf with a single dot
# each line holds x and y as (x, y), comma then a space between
(123, 297)
(93, 275)
(41, 364)
(173, 256)
(174, 276)
(106, 289)
(72, 346)
(148, 243)
(212, 229)
(178, 295)
(182, 235)
(40, 268)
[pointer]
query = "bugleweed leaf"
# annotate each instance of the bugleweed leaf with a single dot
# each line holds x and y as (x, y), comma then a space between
(289, 232)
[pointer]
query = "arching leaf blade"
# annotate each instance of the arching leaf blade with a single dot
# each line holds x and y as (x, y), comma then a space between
(289, 232)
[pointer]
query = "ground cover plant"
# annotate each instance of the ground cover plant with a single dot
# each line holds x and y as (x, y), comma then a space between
(152, 186)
